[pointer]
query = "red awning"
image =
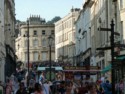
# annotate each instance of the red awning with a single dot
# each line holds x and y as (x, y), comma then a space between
(82, 70)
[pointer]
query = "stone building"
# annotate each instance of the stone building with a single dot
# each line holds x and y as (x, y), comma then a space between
(7, 37)
(39, 32)
(65, 37)
(101, 13)
(2, 46)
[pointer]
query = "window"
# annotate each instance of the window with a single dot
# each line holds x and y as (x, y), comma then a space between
(52, 32)
(35, 56)
(35, 43)
(34, 32)
(79, 31)
(25, 43)
(26, 56)
(121, 4)
(70, 37)
(43, 32)
(44, 56)
(26, 33)
(44, 43)
(121, 30)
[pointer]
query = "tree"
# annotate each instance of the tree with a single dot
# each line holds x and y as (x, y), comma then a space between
(55, 19)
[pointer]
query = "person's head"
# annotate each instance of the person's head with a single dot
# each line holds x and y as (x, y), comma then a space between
(38, 87)
(21, 85)
(92, 88)
(107, 81)
(121, 81)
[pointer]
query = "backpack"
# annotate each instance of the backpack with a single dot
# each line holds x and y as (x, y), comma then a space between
(108, 87)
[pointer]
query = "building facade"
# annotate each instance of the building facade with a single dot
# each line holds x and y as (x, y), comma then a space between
(83, 38)
(65, 37)
(2, 46)
(100, 14)
(39, 32)
(7, 43)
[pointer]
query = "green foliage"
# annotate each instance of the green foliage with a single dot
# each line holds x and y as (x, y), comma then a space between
(55, 19)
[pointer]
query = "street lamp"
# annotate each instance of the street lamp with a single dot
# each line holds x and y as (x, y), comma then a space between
(27, 52)
(50, 39)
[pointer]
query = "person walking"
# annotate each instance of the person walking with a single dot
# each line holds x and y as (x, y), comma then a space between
(92, 89)
(22, 89)
(38, 89)
(46, 88)
(62, 88)
(31, 86)
(8, 87)
(41, 78)
(107, 87)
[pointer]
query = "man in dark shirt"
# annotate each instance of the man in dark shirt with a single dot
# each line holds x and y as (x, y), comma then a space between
(22, 89)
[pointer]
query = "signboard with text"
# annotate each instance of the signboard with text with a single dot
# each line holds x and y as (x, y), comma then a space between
(82, 68)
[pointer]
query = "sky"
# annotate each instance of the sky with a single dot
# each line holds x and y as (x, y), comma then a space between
(47, 9)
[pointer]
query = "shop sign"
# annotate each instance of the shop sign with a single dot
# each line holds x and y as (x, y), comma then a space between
(81, 68)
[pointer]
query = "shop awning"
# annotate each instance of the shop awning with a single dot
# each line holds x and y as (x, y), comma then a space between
(59, 68)
(41, 68)
(44, 68)
(82, 70)
(107, 68)
(121, 57)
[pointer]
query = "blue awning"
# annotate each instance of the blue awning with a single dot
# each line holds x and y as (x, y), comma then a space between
(41, 68)
(107, 68)
(44, 68)
(59, 68)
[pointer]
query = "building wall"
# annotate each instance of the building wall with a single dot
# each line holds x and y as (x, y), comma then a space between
(38, 42)
(65, 36)
(83, 41)
(9, 32)
(2, 46)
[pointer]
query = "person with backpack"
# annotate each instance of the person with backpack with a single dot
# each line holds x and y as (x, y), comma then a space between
(107, 87)
(41, 78)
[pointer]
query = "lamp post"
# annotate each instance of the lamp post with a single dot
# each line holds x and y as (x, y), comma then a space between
(50, 38)
(112, 52)
(28, 51)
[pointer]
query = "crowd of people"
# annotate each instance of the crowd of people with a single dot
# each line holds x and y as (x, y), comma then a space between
(43, 86)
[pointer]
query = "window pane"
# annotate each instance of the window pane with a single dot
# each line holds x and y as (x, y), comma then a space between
(52, 32)
(35, 43)
(35, 56)
(35, 32)
(43, 32)
(44, 56)
(44, 42)
(25, 43)
(26, 56)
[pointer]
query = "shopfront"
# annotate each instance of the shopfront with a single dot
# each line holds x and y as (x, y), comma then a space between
(119, 68)
(74, 73)
(46, 71)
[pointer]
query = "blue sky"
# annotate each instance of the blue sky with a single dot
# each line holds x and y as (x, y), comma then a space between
(45, 8)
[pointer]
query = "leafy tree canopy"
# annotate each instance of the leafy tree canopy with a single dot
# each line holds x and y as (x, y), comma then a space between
(55, 19)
